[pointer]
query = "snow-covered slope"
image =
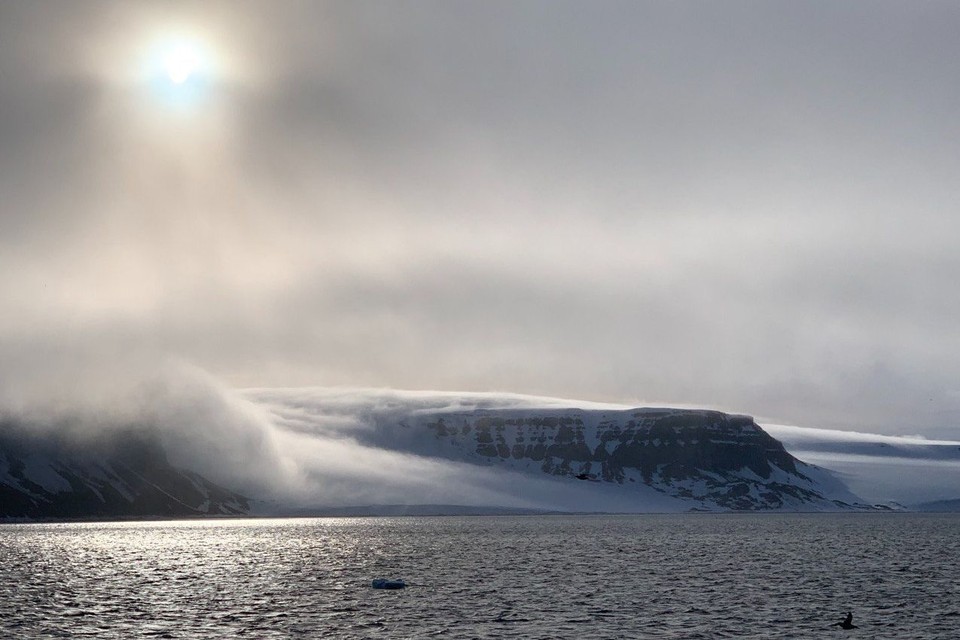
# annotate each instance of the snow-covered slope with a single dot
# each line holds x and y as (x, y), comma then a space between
(119, 474)
(650, 459)
(905, 469)
(310, 450)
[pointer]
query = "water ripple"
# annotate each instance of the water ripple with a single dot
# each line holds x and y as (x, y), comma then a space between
(696, 576)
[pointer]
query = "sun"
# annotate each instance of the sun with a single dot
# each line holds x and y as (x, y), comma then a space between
(181, 62)
(178, 61)
(180, 71)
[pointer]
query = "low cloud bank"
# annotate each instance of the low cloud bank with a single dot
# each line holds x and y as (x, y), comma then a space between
(201, 424)
(312, 447)
(354, 450)
(289, 448)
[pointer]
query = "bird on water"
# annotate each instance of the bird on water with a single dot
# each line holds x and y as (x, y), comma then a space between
(846, 623)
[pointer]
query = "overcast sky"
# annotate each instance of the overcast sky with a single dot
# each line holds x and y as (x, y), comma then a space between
(744, 205)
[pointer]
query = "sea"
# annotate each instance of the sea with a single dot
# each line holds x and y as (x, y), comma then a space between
(560, 576)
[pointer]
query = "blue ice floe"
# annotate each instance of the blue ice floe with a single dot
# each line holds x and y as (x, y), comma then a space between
(383, 583)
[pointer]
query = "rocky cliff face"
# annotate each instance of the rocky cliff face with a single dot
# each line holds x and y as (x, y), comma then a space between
(123, 474)
(440, 450)
(711, 459)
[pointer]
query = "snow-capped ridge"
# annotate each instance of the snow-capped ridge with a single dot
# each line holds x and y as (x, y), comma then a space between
(119, 474)
(698, 458)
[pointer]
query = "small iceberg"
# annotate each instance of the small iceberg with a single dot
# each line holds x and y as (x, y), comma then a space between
(383, 583)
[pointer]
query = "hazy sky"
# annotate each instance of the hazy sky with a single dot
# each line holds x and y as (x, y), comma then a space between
(745, 205)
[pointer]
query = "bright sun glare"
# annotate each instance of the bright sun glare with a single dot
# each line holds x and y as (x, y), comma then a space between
(180, 71)
(180, 63)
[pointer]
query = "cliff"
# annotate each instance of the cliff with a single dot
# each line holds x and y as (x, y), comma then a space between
(709, 459)
(117, 474)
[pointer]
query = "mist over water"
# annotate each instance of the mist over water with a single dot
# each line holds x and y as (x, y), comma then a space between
(653, 576)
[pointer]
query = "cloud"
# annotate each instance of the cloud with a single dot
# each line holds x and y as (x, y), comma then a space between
(286, 448)
(729, 206)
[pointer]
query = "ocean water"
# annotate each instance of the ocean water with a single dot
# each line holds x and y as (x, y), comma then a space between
(649, 576)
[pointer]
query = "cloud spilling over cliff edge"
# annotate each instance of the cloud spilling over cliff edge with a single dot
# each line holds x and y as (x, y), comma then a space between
(342, 446)
(288, 448)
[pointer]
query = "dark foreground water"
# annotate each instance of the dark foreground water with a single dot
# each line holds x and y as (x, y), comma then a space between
(655, 576)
